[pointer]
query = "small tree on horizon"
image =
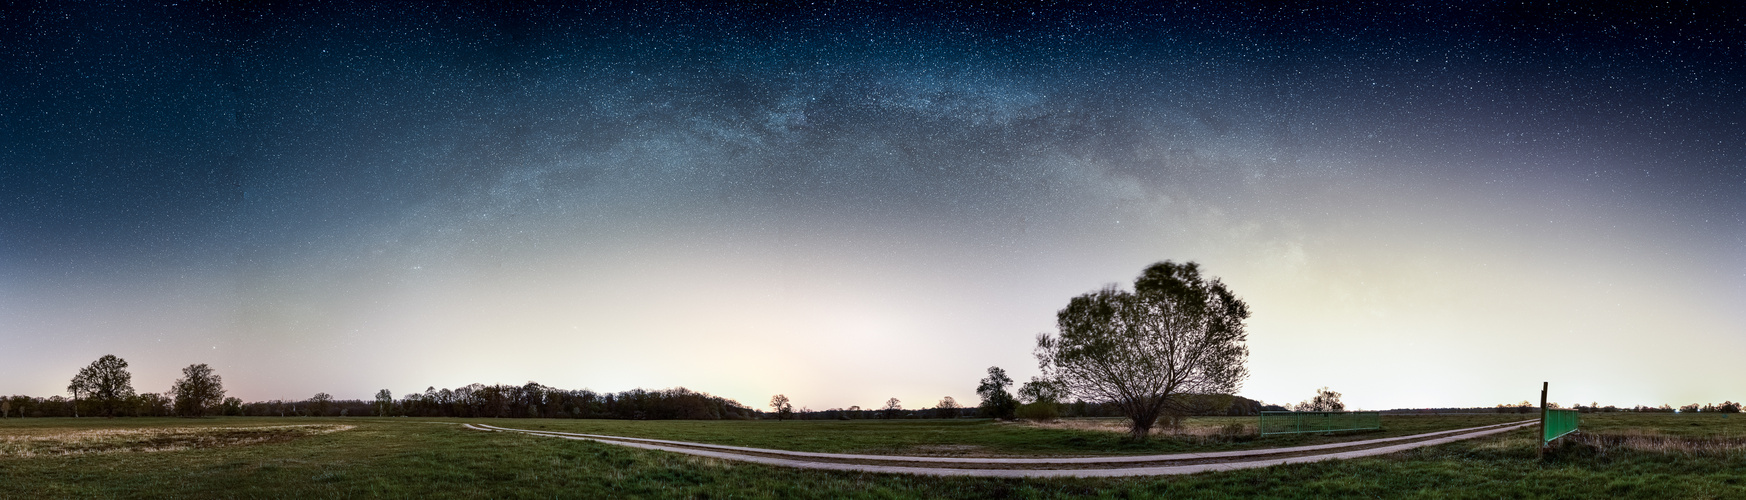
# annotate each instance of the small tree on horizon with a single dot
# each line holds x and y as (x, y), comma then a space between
(892, 407)
(232, 407)
(947, 407)
(996, 401)
(198, 389)
(783, 408)
(319, 403)
(1325, 400)
(384, 402)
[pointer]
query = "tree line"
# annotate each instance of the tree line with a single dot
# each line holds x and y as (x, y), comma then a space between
(105, 388)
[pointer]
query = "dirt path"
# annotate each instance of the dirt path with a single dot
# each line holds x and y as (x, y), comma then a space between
(1140, 465)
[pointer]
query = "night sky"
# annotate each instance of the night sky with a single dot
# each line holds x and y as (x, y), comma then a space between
(1423, 205)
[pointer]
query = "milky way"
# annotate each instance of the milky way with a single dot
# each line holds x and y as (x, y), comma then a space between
(849, 203)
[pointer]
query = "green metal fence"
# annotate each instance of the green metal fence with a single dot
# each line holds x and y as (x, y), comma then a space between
(1556, 423)
(1294, 422)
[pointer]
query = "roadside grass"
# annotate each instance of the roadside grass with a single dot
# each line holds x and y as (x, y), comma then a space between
(410, 458)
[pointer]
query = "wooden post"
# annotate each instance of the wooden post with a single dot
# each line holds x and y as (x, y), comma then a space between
(1542, 436)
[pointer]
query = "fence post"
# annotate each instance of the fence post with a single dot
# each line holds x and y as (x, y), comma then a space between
(1542, 436)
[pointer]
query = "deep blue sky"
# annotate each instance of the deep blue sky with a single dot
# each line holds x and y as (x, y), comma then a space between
(853, 202)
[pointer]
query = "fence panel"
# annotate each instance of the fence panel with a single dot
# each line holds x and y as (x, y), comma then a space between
(1557, 424)
(1295, 422)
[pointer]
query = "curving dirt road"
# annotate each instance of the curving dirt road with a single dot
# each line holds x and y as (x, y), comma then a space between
(1116, 466)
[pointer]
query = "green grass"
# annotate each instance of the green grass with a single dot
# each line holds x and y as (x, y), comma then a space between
(406, 458)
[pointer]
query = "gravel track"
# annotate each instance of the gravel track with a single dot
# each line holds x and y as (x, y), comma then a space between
(1138, 465)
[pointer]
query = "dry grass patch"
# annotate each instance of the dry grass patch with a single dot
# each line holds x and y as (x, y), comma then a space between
(1195, 430)
(50, 442)
(1653, 441)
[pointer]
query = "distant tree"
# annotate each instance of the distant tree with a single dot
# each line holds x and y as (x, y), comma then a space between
(5, 408)
(1691, 408)
(197, 390)
(152, 404)
(319, 403)
(1325, 400)
(1041, 398)
(892, 408)
(1040, 390)
(105, 384)
(232, 406)
(947, 407)
(77, 385)
(1176, 333)
(1729, 407)
(384, 402)
(783, 408)
(996, 401)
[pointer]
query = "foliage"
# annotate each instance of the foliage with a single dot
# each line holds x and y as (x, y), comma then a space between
(1325, 400)
(1042, 411)
(384, 402)
(783, 408)
(1041, 390)
(1176, 333)
(947, 408)
(996, 401)
(320, 403)
(231, 407)
(105, 382)
(892, 408)
(198, 390)
(540, 401)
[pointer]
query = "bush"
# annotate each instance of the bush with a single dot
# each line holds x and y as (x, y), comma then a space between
(1039, 412)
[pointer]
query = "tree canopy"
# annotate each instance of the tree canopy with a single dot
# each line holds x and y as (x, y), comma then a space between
(783, 408)
(1325, 400)
(996, 401)
(1176, 333)
(106, 383)
(198, 389)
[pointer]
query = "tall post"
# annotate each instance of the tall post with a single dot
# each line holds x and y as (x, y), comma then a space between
(1542, 436)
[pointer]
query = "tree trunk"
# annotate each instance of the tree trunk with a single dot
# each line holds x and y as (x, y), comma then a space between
(1142, 424)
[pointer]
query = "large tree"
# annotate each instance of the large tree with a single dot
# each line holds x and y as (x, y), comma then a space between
(105, 384)
(1176, 333)
(197, 390)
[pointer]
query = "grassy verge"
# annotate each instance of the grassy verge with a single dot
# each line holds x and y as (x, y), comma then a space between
(404, 458)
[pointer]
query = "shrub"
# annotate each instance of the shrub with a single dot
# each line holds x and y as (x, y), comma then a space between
(1039, 412)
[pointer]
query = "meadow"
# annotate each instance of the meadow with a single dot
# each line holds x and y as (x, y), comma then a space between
(1617, 455)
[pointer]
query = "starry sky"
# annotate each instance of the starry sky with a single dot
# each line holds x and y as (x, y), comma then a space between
(1424, 205)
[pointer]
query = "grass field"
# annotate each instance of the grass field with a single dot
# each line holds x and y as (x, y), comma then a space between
(1672, 456)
